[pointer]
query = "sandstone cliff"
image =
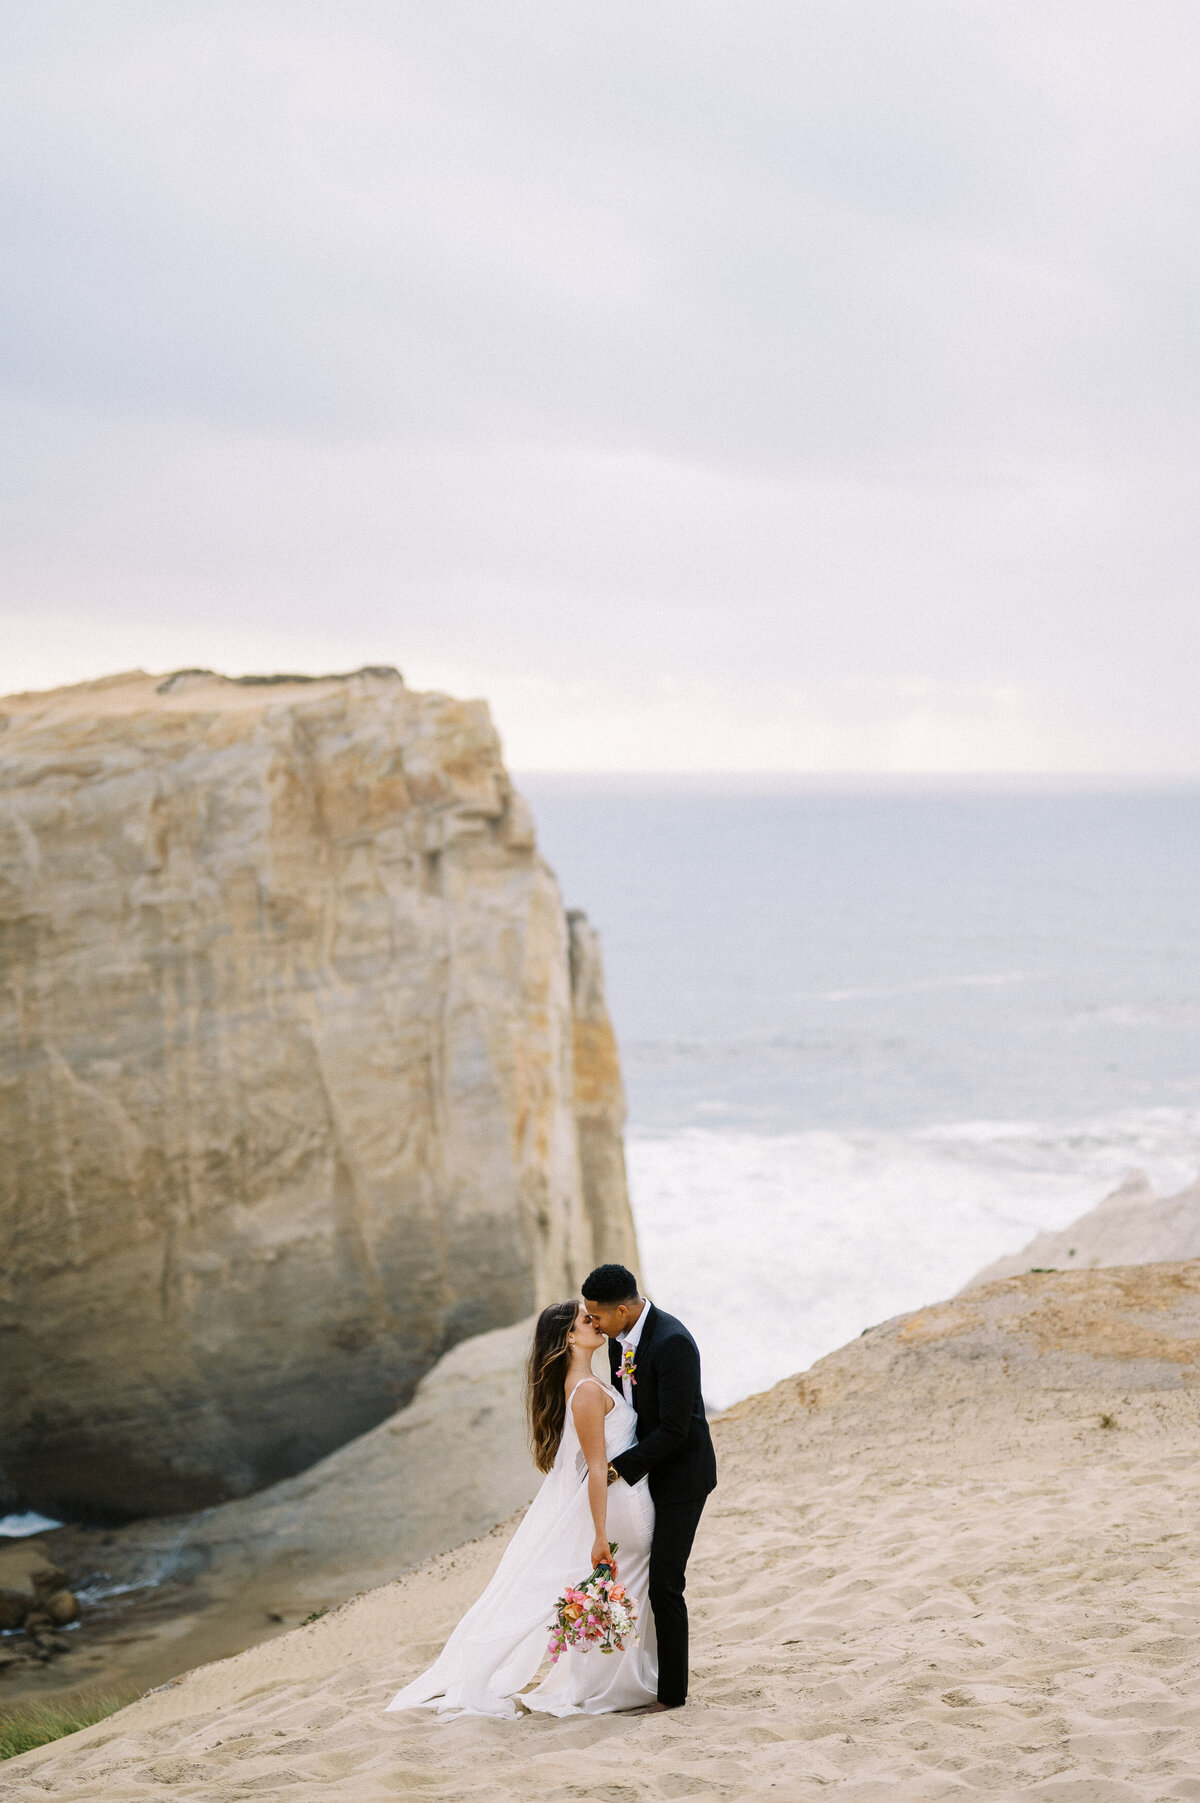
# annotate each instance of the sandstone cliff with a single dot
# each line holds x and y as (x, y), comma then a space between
(599, 1099)
(287, 1075)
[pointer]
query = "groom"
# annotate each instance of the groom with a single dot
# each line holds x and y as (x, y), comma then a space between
(655, 1363)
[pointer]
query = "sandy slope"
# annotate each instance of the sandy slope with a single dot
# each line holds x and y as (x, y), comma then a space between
(930, 1571)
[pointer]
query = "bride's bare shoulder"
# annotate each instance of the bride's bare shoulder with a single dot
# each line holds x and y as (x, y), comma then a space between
(591, 1397)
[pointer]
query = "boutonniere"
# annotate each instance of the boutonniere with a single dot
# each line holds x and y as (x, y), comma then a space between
(629, 1364)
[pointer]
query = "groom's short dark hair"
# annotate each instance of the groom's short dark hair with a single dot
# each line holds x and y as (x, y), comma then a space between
(611, 1283)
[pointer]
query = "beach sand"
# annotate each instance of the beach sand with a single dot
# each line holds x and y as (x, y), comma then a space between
(956, 1558)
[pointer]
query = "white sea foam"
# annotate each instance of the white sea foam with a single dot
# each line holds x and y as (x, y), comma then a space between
(28, 1521)
(970, 980)
(778, 1248)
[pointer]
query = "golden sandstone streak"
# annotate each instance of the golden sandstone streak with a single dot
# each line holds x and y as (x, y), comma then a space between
(597, 1069)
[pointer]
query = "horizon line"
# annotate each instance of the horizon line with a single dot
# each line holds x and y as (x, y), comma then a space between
(1019, 779)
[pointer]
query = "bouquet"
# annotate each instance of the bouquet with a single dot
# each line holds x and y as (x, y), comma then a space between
(596, 1612)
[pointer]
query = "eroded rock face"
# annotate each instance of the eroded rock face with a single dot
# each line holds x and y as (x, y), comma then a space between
(599, 1099)
(287, 1075)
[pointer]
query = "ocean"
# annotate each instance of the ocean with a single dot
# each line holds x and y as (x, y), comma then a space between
(874, 1038)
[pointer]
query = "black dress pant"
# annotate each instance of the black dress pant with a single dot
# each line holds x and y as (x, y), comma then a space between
(675, 1525)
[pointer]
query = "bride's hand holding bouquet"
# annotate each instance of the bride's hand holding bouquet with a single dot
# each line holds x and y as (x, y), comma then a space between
(604, 1553)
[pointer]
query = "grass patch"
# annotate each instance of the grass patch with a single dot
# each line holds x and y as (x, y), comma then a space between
(36, 1724)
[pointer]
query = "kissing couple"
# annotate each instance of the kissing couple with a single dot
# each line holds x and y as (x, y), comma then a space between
(631, 1462)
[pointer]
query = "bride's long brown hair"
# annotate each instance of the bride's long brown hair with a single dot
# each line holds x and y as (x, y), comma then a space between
(545, 1372)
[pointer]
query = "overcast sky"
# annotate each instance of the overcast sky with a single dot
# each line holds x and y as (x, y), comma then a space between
(712, 386)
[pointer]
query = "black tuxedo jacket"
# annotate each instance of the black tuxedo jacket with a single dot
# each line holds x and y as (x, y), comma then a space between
(673, 1445)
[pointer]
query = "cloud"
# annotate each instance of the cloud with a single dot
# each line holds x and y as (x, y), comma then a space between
(834, 363)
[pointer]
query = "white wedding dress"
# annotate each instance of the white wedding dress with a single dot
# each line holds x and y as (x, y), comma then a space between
(497, 1647)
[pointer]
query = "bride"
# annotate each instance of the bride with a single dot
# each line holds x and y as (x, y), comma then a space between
(577, 1424)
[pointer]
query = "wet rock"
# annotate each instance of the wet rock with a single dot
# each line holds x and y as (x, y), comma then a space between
(25, 1566)
(14, 1607)
(34, 1596)
(62, 1607)
(41, 1631)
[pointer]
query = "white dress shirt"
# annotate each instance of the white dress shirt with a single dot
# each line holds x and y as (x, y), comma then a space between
(630, 1337)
